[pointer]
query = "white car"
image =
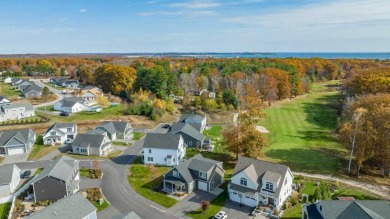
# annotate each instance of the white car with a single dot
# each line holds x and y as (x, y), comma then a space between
(221, 215)
(68, 141)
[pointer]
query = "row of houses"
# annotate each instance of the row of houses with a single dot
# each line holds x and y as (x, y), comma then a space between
(65, 82)
(28, 88)
(83, 100)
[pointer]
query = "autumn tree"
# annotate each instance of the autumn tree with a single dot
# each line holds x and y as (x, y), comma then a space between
(85, 73)
(102, 101)
(115, 78)
(45, 93)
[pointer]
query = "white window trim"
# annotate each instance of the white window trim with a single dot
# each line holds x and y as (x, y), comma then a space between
(202, 175)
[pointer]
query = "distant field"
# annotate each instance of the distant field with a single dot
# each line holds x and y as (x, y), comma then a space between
(301, 132)
(8, 91)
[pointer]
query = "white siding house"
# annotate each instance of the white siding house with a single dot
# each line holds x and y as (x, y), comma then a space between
(59, 133)
(71, 105)
(163, 149)
(9, 180)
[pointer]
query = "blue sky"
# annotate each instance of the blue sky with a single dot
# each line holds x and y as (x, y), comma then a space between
(83, 26)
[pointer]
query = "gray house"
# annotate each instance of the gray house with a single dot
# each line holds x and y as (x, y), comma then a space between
(16, 141)
(192, 137)
(71, 207)
(71, 84)
(199, 122)
(9, 180)
(57, 180)
(196, 173)
(91, 144)
(117, 130)
(4, 101)
(32, 90)
(348, 209)
(59, 81)
(16, 111)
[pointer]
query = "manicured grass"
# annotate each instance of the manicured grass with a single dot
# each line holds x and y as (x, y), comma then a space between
(56, 87)
(143, 179)
(38, 171)
(302, 133)
(39, 151)
(214, 134)
(214, 208)
(99, 206)
(112, 112)
(33, 119)
(4, 210)
(47, 108)
(91, 173)
(118, 143)
(138, 135)
(8, 91)
(84, 172)
(92, 157)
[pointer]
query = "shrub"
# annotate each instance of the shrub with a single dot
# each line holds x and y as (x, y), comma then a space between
(293, 202)
(204, 205)
(94, 194)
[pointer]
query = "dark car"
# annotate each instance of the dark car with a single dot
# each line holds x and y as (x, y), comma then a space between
(165, 126)
(64, 114)
(26, 174)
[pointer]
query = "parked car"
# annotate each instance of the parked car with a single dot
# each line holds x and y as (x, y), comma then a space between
(64, 114)
(25, 174)
(165, 126)
(68, 141)
(221, 215)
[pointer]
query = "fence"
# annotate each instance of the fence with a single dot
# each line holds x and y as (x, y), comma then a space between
(11, 210)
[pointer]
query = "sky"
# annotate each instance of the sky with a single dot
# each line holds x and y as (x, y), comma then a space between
(130, 26)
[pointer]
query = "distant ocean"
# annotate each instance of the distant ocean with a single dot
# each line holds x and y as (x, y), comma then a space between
(381, 56)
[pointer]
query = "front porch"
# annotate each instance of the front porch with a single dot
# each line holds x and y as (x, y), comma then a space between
(173, 187)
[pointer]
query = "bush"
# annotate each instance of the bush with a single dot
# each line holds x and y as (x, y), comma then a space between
(94, 173)
(293, 202)
(94, 194)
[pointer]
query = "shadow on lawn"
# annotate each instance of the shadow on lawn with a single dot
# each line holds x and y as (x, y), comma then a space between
(323, 111)
(307, 160)
(315, 135)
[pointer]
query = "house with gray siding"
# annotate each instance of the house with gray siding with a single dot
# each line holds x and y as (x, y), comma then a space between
(198, 121)
(72, 207)
(117, 130)
(16, 141)
(192, 137)
(346, 209)
(16, 111)
(91, 144)
(59, 179)
(9, 180)
(32, 91)
(195, 173)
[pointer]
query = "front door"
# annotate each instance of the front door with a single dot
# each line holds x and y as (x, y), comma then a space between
(271, 201)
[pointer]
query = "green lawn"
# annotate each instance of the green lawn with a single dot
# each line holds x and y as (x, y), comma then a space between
(301, 133)
(99, 206)
(4, 210)
(214, 134)
(8, 91)
(38, 151)
(56, 87)
(118, 143)
(112, 112)
(47, 108)
(214, 208)
(143, 181)
(138, 135)
(92, 157)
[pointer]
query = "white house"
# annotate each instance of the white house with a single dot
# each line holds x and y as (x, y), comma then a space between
(71, 105)
(7, 80)
(163, 149)
(4, 101)
(9, 180)
(197, 121)
(16, 111)
(255, 182)
(59, 133)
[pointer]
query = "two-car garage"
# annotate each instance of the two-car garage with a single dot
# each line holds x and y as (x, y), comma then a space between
(243, 198)
(15, 150)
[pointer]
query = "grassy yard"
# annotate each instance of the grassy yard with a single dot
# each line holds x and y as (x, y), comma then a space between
(4, 210)
(144, 178)
(112, 112)
(214, 208)
(214, 134)
(301, 132)
(29, 120)
(54, 86)
(138, 135)
(8, 91)
(39, 151)
(311, 185)
(47, 108)
(92, 157)
(118, 143)
(99, 206)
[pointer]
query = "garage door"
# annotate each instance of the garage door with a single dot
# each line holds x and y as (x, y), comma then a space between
(249, 201)
(12, 151)
(234, 197)
(202, 186)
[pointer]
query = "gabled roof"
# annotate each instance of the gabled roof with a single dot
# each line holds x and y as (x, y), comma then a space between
(2, 98)
(113, 126)
(27, 106)
(362, 209)
(186, 129)
(71, 207)
(96, 132)
(131, 215)
(71, 101)
(162, 141)
(62, 168)
(21, 135)
(71, 82)
(58, 126)
(260, 169)
(88, 140)
(196, 117)
(6, 172)
(31, 88)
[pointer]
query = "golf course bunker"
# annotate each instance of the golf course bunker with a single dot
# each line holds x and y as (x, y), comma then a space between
(262, 129)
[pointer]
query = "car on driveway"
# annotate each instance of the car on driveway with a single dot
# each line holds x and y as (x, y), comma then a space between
(25, 174)
(64, 114)
(221, 215)
(165, 126)
(68, 141)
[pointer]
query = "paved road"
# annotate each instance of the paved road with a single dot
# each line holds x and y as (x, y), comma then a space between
(52, 89)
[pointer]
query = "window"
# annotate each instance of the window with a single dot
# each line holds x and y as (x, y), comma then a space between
(150, 159)
(150, 151)
(285, 181)
(83, 150)
(269, 186)
(175, 174)
(202, 175)
(243, 182)
(197, 143)
(69, 129)
(53, 133)
(212, 185)
(190, 143)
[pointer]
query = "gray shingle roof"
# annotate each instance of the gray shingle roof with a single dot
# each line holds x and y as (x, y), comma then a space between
(32, 87)
(196, 117)
(187, 129)
(3, 98)
(271, 176)
(362, 209)
(163, 141)
(21, 135)
(27, 106)
(88, 140)
(6, 172)
(113, 126)
(62, 168)
(96, 132)
(58, 126)
(72, 207)
(131, 215)
(71, 101)
(261, 167)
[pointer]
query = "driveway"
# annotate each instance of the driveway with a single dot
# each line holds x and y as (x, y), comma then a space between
(191, 202)
(234, 210)
(16, 158)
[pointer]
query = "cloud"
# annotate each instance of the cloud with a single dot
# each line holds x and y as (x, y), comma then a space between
(83, 10)
(195, 5)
